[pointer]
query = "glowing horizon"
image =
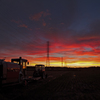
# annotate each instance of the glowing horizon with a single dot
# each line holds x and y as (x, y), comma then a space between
(68, 64)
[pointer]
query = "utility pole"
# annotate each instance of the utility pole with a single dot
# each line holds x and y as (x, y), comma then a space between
(47, 61)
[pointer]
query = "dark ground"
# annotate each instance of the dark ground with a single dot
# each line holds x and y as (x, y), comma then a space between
(83, 84)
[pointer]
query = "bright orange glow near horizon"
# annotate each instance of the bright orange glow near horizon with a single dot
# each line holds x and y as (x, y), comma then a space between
(75, 55)
(73, 64)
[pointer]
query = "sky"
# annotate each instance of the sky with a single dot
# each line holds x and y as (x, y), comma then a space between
(72, 28)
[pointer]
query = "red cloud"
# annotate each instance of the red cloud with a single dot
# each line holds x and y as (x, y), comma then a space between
(46, 13)
(40, 17)
(62, 23)
(44, 23)
(20, 24)
(89, 38)
(36, 17)
(17, 22)
(23, 25)
(71, 48)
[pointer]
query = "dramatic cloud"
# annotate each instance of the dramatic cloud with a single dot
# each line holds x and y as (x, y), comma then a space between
(72, 28)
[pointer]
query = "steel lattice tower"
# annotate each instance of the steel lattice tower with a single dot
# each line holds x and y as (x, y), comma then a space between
(48, 60)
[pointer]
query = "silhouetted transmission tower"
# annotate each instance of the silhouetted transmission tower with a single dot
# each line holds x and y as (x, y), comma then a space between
(47, 61)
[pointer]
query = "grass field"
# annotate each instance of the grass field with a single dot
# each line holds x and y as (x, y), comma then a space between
(81, 84)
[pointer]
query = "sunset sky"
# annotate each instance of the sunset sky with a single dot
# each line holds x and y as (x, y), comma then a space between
(72, 28)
